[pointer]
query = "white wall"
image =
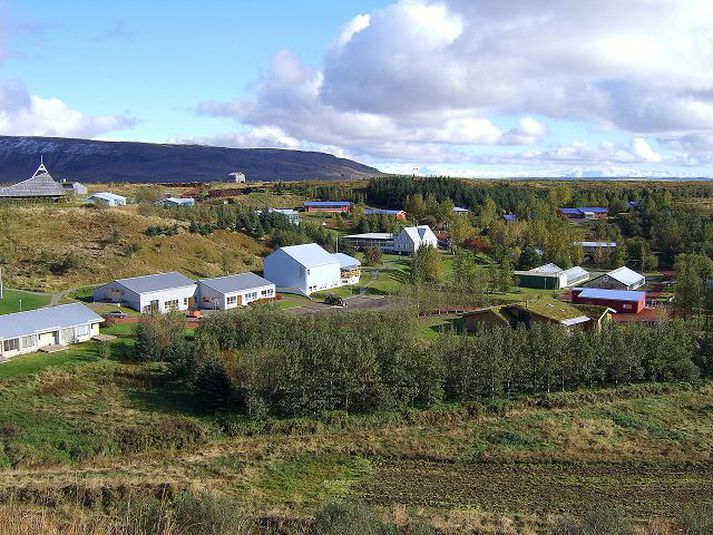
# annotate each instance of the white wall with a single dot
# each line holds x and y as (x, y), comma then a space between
(183, 294)
(283, 270)
(47, 338)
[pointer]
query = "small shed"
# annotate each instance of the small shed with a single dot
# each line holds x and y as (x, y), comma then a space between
(107, 199)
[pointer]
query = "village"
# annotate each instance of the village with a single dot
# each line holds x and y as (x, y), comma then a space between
(578, 298)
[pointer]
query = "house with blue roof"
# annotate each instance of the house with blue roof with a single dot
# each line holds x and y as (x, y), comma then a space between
(621, 301)
(584, 213)
(327, 206)
(47, 329)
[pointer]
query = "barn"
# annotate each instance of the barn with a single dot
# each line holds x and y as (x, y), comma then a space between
(621, 278)
(621, 301)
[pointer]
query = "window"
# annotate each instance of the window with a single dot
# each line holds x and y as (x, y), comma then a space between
(82, 330)
(13, 344)
(185, 301)
(266, 293)
(29, 341)
(171, 305)
(207, 299)
(233, 299)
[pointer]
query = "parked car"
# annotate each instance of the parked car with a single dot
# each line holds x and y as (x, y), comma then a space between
(117, 314)
(195, 314)
(335, 300)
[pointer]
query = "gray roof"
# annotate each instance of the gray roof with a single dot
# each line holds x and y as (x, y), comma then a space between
(46, 319)
(107, 196)
(40, 185)
(309, 254)
(346, 261)
(236, 283)
(625, 275)
(155, 283)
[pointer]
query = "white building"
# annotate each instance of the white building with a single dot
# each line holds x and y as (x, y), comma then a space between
(173, 202)
(107, 199)
(349, 268)
(161, 293)
(238, 177)
(305, 268)
(292, 215)
(411, 239)
(621, 278)
(27, 332)
(232, 291)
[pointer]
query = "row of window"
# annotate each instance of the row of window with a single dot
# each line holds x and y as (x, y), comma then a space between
(68, 335)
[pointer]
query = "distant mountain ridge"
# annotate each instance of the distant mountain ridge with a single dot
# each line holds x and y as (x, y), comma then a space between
(129, 161)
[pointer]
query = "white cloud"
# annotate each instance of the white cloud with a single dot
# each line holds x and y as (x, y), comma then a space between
(30, 115)
(436, 77)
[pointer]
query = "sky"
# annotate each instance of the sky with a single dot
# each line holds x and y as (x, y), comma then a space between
(479, 88)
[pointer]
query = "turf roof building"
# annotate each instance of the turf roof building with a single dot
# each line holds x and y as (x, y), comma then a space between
(542, 310)
(232, 291)
(39, 187)
(45, 328)
(162, 292)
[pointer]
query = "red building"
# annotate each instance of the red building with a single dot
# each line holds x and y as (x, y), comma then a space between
(622, 301)
(328, 206)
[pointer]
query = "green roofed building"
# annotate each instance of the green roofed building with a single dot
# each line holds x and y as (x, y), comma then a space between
(542, 310)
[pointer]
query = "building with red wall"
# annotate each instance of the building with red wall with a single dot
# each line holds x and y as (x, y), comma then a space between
(622, 301)
(328, 206)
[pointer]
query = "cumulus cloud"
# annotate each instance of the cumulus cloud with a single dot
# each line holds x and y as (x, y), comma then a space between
(22, 113)
(434, 76)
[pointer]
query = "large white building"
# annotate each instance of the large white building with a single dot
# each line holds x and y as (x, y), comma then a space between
(27, 332)
(308, 268)
(621, 278)
(232, 291)
(162, 292)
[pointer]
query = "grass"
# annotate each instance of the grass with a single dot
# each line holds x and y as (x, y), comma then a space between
(18, 300)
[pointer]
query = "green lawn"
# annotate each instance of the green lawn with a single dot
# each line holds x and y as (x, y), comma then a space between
(32, 363)
(18, 300)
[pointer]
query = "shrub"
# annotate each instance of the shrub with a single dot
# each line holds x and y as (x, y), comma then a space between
(696, 521)
(351, 517)
(597, 521)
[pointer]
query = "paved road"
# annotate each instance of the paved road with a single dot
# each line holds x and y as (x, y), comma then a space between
(357, 302)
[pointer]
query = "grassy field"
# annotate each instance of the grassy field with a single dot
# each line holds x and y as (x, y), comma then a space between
(18, 300)
(78, 420)
(75, 247)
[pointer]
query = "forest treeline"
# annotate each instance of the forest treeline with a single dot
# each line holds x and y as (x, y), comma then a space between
(266, 361)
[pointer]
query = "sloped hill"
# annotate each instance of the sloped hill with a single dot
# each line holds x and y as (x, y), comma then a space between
(105, 161)
(50, 247)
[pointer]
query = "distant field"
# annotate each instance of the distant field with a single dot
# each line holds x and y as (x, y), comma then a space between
(18, 300)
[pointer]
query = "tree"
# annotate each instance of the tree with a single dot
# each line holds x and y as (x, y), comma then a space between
(488, 213)
(529, 258)
(426, 264)
(460, 230)
(373, 256)
(692, 271)
(415, 207)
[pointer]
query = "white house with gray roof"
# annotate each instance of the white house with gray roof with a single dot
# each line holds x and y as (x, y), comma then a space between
(27, 332)
(107, 199)
(621, 278)
(232, 291)
(162, 292)
(411, 239)
(303, 268)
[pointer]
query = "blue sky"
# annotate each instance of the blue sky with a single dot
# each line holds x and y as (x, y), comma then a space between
(464, 87)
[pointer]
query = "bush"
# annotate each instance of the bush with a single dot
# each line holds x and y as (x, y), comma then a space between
(352, 517)
(696, 521)
(596, 521)
(207, 514)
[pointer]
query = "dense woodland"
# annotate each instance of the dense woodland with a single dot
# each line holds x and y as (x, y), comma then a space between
(272, 362)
